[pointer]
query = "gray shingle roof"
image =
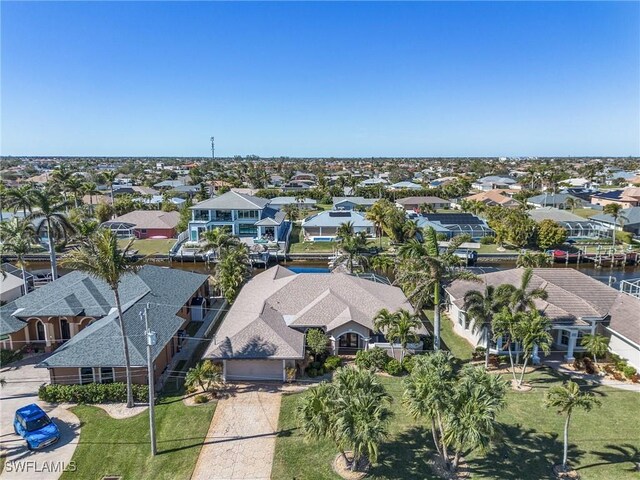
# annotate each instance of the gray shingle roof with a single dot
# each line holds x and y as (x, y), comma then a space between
(260, 324)
(632, 216)
(336, 218)
(233, 201)
(100, 344)
(555, 214)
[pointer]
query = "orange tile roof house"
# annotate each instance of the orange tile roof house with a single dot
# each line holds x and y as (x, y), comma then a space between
(493, 197)
(145, 224)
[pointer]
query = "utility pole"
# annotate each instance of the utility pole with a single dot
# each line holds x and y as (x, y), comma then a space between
(213, 149)
(151, 341)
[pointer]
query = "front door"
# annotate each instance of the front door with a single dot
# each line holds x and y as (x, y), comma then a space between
(64, 330)
(348, 340)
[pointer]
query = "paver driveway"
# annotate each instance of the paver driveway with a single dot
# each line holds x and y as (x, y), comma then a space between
(23, 381)
(242, 436)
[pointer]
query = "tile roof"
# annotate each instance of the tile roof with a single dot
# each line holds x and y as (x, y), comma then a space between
(260, 323)
(336, 218)
(233, 201)
(149, 219)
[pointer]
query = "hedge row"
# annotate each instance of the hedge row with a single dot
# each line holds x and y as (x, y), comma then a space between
(92, 393)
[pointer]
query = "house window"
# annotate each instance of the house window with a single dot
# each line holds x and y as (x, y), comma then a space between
(462, 320)
(246, 230)
(86, 375)
(106, 375)
(247, 214)
(564, 337)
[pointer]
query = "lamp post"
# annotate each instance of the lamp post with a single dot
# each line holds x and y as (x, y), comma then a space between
(151, 339)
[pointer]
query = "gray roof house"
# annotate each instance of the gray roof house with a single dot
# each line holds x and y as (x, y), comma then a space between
(263, 332)
(353, 203)
(324, 226)
(557, 200)
(629, 219)
(576, 304)
(279, 202)
(576, 226)
(76, 313)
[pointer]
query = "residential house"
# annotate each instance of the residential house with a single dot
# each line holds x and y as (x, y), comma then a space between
(323, 226)
(77, 303)
(576, 305)
(494, 197)
(75, 317)
(405, 185)
(440, 182)
(243, 215)
(415, 204)
(557, 200)
(302, 203)
(493, 182)
(145, 224)
(373, 182)
(577, 227)
(628, 197)
(629, 220)
(353, 203)
(263, 333)
(454, 224)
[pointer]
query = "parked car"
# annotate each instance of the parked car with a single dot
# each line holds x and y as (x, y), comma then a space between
(35, 426)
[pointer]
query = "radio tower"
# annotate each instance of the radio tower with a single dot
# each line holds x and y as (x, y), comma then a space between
(213, 149)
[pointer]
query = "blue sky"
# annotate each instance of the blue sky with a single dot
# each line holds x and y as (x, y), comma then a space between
(311, 79)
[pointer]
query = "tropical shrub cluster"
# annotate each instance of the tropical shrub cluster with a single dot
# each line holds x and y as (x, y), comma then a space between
(373, 359)
(92, 393)
(332, 362)
(9, 356)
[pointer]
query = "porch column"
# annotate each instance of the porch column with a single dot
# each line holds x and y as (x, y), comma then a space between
(50, 336)
(333, 345)
(320, 233)
(535, 357)
(365, 342)
(284, 371)
(73, 329)
(224, 371)
(573, 337)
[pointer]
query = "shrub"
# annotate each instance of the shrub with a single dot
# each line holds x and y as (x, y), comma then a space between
(577, 363)
(618, 376)
(200, 399)
(332, 362)
(588, 366)
(92, 393)
(635, 378)
(628, 371)
(488, 240)
(408, 362)
(374, 359)
(478, 353)
(8, 356)
(393, 367)
(291, 374)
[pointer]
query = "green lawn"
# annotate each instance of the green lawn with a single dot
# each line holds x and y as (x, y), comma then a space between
(450, 340)
(151, 246)
(604, 443)
(493, 248)
(586, 212)
(121, 447)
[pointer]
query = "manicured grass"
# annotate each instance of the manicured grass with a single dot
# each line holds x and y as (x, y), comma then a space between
(603, 443)
(121, 447)
(450, 340)
(586, 212)
(493, 248)
(151, 246)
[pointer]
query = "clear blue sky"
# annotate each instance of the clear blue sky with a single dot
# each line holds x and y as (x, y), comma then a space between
(340, 79)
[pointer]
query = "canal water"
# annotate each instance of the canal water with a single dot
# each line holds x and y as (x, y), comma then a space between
(608, 275)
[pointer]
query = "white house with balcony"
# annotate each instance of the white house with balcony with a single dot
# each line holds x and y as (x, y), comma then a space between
(245, 216)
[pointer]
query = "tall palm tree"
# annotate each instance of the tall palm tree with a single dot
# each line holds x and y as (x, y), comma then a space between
(615, 210)
(533, 331)
(100, 257)
(505, 324)
(573, 203)
(529, 259)
(481, 308)
(404, 329)
(48, 214)
(382, 263)
(218, 239)
(377, 214)
(422, 277)
(523, 298)
(565, 398)
(110, 177)
(232, 270)
(75, 186)
(20, 198)
(91, 189)
(18, 236)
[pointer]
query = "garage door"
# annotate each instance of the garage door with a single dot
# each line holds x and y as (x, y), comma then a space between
(254, 370)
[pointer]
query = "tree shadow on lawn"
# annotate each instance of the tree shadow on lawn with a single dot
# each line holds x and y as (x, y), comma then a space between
(522, 453)
(625, 454)
(406, 456)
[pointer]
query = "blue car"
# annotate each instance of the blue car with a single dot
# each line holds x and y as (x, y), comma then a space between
(35, 426)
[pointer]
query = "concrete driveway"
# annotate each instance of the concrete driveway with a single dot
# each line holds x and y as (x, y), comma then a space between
(242, 436)
(23, 381)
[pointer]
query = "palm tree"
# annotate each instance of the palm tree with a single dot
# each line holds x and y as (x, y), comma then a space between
(481, 307)
(565, 398)
(428, 392)
(573, 203)
(422, 277)
(110, 177)
(383, 322)
(403, 329)
(522, 298)
(218, 239)
(75, 186)
(17, 237)
(615, 210)
(471, 424)
(232, 270)
(20, 198)
(91, 189)
(529, 259)
(505, 324)
(533, 331)
(377, 215)
(596, 345)
(205, 375)
(291, 211)
(382, 263)
(48, 214)
(100, 257)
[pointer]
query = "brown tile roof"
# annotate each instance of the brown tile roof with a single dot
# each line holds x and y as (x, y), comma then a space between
(625, 317)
